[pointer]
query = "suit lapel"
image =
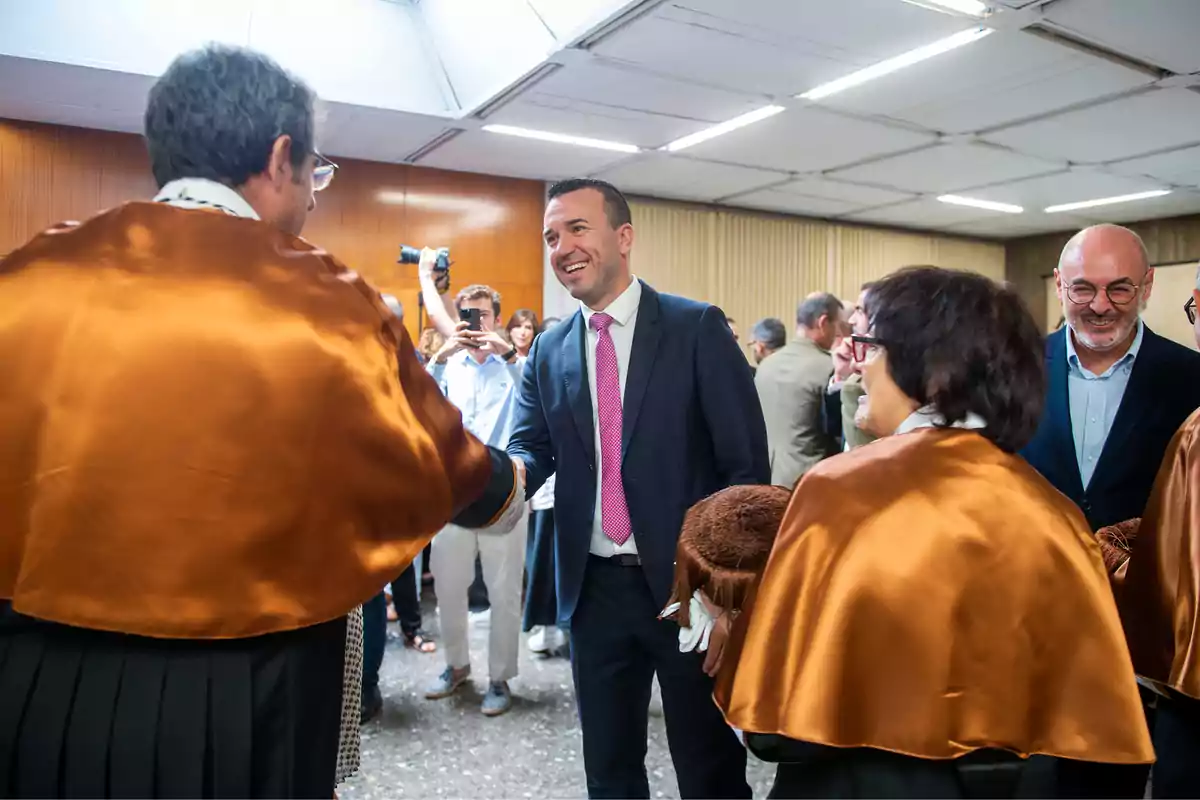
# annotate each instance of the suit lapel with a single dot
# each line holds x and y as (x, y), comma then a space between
(578, 392)
(646, 334)
(1128, 414)
(1058, 410)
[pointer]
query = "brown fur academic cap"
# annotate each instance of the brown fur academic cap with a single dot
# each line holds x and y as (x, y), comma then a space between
(724, 545)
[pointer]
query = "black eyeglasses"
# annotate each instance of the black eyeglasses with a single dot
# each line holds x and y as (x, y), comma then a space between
(863, 347)
(1119, 294)
(1189, 308)
(323, 172)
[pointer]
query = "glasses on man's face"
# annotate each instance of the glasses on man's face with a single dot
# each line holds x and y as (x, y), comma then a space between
(863, 347)
(1119, 294)
(323, 172)
(1189, 308)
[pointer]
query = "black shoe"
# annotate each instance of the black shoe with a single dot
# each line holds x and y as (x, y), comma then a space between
(372, 704)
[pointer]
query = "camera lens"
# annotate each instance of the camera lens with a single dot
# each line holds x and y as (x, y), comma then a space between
(409, 255)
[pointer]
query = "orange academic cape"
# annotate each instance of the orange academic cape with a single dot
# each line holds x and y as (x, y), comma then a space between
(930, 595)
(210, 429)
(1159, 595)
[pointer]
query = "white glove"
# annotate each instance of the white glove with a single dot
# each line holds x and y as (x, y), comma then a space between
(695, 637)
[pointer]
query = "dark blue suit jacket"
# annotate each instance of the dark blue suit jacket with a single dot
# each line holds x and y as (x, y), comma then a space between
(1163, 390)
(691, 425)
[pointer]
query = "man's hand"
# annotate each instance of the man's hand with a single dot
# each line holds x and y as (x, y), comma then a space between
(426, 271)
(428, 261)
(455, 343)
(490, 342)
(843, 360)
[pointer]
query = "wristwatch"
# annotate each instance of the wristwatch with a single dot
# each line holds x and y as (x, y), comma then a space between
(509, 356)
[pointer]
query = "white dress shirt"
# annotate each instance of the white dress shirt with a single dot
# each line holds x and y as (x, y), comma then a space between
(485, 393)
(624, 311)
(203, 193)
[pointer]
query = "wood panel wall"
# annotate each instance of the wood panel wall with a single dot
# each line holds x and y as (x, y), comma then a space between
(1030, 260)
(493, 225)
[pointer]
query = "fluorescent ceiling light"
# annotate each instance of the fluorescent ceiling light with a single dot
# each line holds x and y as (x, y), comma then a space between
(1107, 201)
(973, 7)
(897, 63)
(987, 205)
(562, 138)
(724, 127)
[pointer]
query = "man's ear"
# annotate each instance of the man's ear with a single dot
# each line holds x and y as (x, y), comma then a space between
(279, 165)
(625, 239)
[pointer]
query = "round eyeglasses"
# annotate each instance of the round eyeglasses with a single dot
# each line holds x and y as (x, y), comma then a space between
(1119, 294)
(1189, 308)
(323, 172)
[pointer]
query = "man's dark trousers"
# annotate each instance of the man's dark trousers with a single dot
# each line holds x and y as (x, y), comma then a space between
(616, 636)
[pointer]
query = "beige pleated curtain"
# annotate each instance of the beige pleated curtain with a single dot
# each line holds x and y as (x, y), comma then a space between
(756, 265)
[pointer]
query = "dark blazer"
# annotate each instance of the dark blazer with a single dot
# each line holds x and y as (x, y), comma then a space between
(691, 425)
(1163, 390)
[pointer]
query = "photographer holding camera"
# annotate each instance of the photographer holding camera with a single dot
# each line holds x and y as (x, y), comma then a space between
(479, 372)
(433, 272)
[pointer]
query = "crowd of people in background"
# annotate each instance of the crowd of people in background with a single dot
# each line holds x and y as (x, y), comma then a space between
(981, 580)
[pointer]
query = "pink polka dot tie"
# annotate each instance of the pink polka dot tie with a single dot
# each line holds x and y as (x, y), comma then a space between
(614, 519)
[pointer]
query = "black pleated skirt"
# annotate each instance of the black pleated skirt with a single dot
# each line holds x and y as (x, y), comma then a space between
(92, 714)
(541, 598)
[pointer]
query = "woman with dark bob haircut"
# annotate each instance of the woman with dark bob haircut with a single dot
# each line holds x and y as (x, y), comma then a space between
(934, 619)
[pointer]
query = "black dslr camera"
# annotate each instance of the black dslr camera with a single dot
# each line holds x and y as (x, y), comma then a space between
(441, 269)
(412, 255)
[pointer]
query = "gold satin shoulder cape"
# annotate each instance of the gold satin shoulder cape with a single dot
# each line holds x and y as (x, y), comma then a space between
(210, 429)
(930, 595)
(1162, 582)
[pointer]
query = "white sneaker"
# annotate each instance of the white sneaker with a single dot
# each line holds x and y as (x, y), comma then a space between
(537, 639)
(554, 638)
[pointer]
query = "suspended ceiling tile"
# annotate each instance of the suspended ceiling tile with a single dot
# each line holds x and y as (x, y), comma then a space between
(949, 168)
(1178, 203)
(791, 203)
(495, 154)
(1035, 194)
(624, 87)
(923, 213)
(1120, 129)
(852, 193)
(581, 118)
(722, 58)
(853, 32)
(807, 140)
(1178, 166)
(1162, 32)
(662, 175)
(1009, 75)
(374, 133)
(1013, 225)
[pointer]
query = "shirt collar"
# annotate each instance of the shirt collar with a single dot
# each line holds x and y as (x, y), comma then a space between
(621, 309)
(929, 417)
(1130, 355)
(203, 193)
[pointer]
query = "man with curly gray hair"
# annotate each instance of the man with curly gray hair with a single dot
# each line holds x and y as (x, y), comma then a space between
(218, 443)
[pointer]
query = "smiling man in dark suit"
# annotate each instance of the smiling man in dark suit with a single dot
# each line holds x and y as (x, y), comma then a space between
(1117, 391)
(642, 404)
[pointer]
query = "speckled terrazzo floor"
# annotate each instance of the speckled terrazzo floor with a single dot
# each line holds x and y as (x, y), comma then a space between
(447, 749)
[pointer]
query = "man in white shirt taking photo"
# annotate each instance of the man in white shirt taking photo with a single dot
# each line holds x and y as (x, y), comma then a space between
(479, 372)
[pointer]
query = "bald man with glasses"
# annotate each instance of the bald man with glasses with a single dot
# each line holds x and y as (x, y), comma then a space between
(1117, 391)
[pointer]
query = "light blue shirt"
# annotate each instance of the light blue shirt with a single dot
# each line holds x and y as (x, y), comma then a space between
(1094, 400)
(486, 394)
